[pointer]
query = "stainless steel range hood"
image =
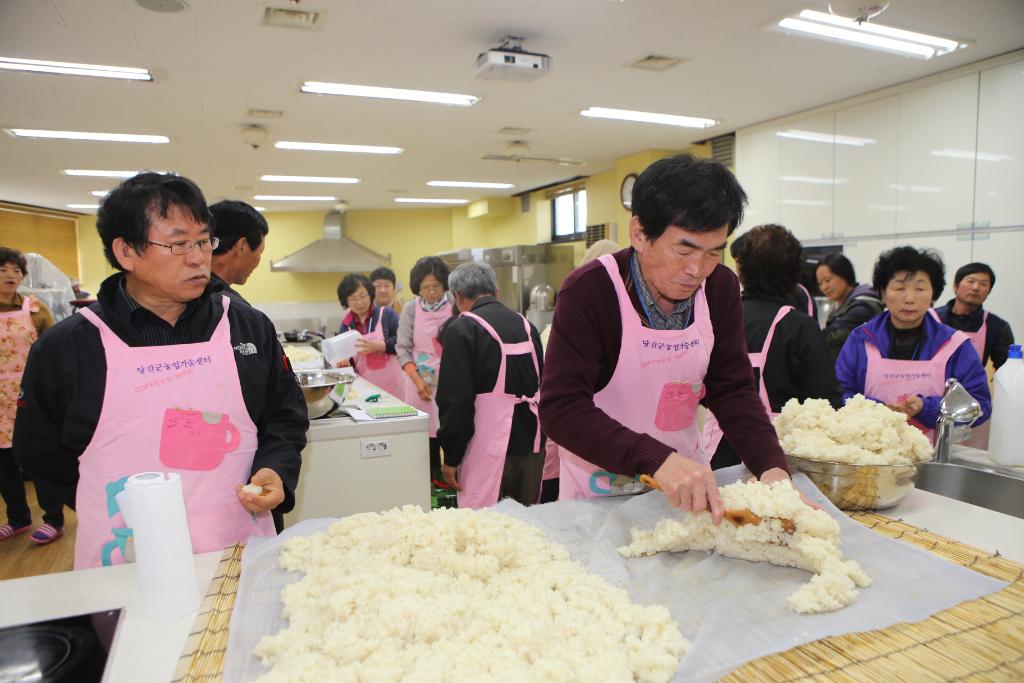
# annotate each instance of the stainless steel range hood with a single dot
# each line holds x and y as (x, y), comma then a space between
(334, 253)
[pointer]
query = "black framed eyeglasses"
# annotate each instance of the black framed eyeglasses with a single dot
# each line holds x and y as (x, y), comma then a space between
(186, 246)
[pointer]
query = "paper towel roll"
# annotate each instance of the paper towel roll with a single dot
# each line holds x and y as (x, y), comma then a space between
(163, 546)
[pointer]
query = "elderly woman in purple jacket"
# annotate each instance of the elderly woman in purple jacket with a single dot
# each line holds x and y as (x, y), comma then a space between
(904, 356)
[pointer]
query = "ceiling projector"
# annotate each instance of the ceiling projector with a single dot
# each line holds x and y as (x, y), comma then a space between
(510, 62)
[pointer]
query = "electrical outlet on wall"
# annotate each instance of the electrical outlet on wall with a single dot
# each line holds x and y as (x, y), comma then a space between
(374, 448)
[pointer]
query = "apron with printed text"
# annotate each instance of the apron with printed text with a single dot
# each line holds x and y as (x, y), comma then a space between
(656, 387)
(426, 354)
(175, 408)
(484, 462)
(892, 381)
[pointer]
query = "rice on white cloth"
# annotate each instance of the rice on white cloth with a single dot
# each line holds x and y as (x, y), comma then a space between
(458, 595)
(813, 545)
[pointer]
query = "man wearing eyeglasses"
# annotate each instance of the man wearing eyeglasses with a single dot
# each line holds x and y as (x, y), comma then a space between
(162, 374)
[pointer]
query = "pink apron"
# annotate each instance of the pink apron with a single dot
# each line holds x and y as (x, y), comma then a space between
(655, 389)
(168, 408)
(712, 430)
(891, 381)
(381, 368)
(810, 300)
(426, 354)
(977, 338)
(484, 462)
(17, 332)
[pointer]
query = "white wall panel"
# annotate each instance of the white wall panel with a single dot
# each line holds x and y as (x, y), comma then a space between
(866, 166)
(1000, 178)
(757, 167)
(938, 125)
(1003, 252)
(805, 177)
(863, 255)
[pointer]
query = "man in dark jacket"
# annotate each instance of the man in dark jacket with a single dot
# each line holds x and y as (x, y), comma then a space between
(140, 382)
(971, 285)
(501, 434)
(242, 232)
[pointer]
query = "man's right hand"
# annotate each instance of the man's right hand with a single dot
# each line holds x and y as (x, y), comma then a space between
(690, 486)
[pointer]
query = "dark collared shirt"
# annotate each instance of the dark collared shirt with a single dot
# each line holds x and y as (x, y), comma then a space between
(677, 319)
(154, 330)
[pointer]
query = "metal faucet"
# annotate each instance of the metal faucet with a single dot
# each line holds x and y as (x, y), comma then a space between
(957, 412)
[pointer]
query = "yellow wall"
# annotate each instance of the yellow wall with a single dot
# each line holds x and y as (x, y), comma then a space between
(406, 234)
(92, 264)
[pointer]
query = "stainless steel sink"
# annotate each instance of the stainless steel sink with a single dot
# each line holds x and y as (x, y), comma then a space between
(981, 487)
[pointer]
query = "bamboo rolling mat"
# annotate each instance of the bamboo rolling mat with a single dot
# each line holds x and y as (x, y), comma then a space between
(203, 656)
(979, 640)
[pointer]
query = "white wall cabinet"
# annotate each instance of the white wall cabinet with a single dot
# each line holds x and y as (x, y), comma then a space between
(866, 168)
(757, 167)
(1002, 252)
(938, 127)
(806, 173)
(999, 198)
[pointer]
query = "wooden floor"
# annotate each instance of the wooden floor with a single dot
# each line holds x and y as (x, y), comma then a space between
(21, 557)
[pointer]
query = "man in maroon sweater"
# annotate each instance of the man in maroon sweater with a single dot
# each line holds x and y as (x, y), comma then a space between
(620, 386)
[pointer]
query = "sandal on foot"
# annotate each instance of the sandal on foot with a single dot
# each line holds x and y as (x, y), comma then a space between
(47, 533)
(7, 531)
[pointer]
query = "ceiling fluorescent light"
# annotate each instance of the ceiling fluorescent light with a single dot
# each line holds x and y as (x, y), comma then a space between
(93, 173)
(83, 206)
(72, 69)
(77, 135)
(811, 136)
(308, 179)
(293, 198)
(416, 200)
(804, 202)
(647, 117)
(468, 183)
(812, 180)
(869, 35)
(970, 155)
(260, 208)
(330, 147)
(100, 193)
(321, 88)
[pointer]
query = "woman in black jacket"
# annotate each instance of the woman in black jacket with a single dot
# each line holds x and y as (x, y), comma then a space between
(797, 363)
(854, 304)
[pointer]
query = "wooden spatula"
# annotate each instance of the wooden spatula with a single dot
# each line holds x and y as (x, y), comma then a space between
(738, 516)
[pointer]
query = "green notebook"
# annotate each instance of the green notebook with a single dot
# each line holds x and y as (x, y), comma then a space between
(383, 412)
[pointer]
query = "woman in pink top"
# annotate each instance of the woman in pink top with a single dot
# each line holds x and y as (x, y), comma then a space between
(375, 358)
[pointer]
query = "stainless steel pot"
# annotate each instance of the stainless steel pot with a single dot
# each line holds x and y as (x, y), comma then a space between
(317, 386)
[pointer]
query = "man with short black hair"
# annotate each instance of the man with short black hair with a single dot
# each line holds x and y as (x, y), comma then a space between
(241, 230)
(641, 337)
(162, 374)
(990, 335)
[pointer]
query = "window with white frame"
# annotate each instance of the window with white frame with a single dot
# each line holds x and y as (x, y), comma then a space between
(569, 215)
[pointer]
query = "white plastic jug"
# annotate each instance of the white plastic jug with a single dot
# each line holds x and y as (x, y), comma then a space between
(1004, 442)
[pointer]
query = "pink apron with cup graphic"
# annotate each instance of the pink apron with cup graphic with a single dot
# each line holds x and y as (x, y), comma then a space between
(168, 408)
(712, 430)
(484, 462)
(17, 333)
(892, 381)
(381, 368)
(655, 389)
(426, 354)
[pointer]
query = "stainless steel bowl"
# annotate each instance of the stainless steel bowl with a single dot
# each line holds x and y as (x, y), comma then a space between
(317, 386)
(858, 487)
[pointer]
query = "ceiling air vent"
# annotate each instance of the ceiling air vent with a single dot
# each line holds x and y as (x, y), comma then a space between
(656, 63)
(285, 17)
(512, 130)
(723, 149)
(524, 202)
(264, 113)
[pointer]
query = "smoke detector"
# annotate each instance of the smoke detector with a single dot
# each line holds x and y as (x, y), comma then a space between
(857, 10)
(255, 136)
(163, 6)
